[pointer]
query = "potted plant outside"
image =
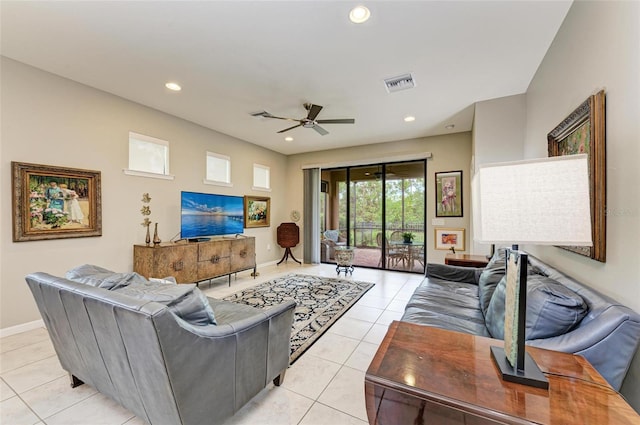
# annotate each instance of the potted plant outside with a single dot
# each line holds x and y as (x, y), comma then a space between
(407, 237)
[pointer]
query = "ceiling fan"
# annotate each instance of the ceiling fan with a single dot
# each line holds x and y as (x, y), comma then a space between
(309, 121)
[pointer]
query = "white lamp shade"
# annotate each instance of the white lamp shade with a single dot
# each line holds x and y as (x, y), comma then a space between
(541, 202)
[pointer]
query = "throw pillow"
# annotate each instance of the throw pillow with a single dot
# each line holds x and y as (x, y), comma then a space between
(489, 278)
(184, 300)
(332, 235)
(552, 309)
(102, 278)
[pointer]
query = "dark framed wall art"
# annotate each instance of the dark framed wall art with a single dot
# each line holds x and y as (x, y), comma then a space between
(583, 131)
(52, 202)
(449, 194)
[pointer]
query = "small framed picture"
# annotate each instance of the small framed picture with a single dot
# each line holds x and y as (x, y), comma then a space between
(52, 202)
(449, 194)
(257, 211)
(448, 238)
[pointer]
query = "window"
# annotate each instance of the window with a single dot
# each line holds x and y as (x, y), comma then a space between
(148, 156)
(261, 177)
(218, 169)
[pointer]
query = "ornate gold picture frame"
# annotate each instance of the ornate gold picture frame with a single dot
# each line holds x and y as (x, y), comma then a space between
(54, 202)
(257, 211)
(583, 131)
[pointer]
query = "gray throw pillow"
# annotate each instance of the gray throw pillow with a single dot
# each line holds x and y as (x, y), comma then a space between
(99, 277)
(552, 309)
(489, 278)
(184, 300)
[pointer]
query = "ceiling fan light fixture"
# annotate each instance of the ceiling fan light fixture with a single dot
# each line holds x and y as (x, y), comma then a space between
(409, 118)
(450, 126)
(173, 86)
(359, 14)
(288, 139)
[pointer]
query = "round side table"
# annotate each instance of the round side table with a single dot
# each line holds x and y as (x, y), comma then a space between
(344, 259)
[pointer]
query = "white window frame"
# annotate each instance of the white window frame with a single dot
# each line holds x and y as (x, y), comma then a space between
(148, 173)
(227, 160)
(261, 177)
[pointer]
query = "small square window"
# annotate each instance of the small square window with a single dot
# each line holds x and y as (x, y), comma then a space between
(261, 177)
(218, 169)
(148, 156)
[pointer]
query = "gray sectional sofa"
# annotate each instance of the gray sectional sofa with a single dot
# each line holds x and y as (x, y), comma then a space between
(562, 314)
(164, 351)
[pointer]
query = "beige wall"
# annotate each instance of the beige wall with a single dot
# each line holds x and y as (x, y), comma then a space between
(450, 152)
(498, 135)
(50, 120)
(597, 48)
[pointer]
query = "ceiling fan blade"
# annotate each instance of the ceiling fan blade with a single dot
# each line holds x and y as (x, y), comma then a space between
(290, 128)
(337, 121)
(320, 130)
(266, 114)
(314, 110)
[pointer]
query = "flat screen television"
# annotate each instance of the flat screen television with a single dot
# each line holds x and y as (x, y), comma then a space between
(207, 214)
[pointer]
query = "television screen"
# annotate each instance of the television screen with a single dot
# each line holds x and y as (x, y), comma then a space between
(206, 214)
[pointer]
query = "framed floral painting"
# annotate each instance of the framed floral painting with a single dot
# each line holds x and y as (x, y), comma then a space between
(449, 194)
(52, 202)
(257, 211)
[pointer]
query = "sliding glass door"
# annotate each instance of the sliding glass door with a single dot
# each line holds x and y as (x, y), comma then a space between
(405, 216)
(370, 208)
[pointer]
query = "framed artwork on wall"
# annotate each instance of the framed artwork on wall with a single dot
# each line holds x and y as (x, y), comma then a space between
(449, 238)
(257, 211)
(583, 131)
(449, 194)
(52, 202)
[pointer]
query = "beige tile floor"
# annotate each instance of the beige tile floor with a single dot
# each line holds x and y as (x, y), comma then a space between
(325, 385)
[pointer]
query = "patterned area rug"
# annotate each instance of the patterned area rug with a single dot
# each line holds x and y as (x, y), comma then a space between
(320, 302)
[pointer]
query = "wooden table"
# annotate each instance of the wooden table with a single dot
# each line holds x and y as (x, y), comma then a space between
(466, 260)
(425, 375)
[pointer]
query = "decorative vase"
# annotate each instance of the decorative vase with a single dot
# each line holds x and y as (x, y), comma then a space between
(148, 238)
(156, 239)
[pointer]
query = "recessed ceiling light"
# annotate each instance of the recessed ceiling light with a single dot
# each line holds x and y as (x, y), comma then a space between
(359, 14)
(173, 86)
(288, 139)
(409, 118)
(450, 126)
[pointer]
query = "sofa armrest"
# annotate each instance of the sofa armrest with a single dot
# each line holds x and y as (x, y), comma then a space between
(223, 367)
(594, 339)
(454, 273)
(227, 329)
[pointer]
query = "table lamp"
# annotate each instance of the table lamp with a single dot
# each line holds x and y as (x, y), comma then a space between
(539, 202)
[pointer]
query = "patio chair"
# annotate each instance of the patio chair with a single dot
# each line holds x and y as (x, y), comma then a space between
(394, 254)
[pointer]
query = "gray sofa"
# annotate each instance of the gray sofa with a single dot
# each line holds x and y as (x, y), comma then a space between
(144, 355)
(562, 314)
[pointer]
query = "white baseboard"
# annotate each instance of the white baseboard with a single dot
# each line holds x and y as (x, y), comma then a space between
(24, 327)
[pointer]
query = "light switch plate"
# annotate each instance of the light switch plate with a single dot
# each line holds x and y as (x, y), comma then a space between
(437, 221)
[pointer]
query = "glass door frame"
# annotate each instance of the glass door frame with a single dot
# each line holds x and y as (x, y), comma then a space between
(383, 167)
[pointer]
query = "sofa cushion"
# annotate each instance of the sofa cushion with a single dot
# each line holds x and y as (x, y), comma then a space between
(552, 309)
(185, 300)
(332, 235)
(99, 277)
(491, 275)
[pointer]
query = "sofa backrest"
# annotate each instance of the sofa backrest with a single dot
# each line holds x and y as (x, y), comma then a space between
(109, 341)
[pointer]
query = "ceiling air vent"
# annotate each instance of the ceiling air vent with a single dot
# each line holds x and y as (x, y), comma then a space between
(401, 82)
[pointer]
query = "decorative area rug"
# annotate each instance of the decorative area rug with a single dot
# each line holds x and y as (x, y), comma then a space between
(320, 302)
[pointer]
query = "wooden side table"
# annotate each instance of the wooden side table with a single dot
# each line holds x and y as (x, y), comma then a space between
(466, 260)
(422, 374)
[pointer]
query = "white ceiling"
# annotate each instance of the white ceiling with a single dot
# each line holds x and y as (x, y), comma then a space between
(233, 58)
